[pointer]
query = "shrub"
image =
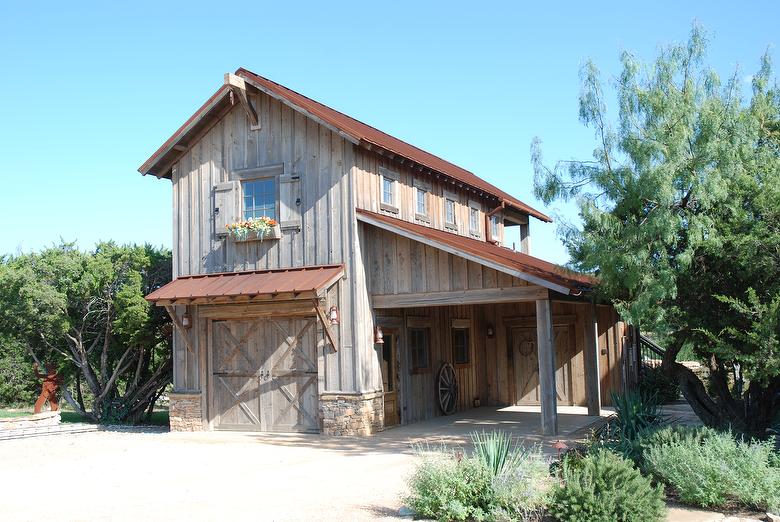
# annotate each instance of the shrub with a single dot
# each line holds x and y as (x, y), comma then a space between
(654, 381)
(636, 413)
(500, 481)
(604, 487)
(18, 384)
(713, 469)
(445, 487)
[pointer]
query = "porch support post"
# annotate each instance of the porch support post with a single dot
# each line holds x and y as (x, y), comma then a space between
(592, 374)
(546, 353)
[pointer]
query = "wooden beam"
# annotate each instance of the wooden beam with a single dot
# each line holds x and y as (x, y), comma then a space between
(511, 294)
(326, 326)
(180, 328)
(238, 86)
(545, 346)
(591, 355)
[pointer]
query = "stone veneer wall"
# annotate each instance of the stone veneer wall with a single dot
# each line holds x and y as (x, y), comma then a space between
(352, 414)
(185, 412)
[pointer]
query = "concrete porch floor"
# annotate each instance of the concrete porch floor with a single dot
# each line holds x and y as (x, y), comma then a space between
(523, 423)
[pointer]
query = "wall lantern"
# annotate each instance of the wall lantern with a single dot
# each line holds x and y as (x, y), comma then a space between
(186, 320)
(333, 316)
(379, 336)
(490, 331)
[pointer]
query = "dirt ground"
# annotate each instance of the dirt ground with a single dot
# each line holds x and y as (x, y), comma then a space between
(114, 475)
(214, 476)
(232, 476)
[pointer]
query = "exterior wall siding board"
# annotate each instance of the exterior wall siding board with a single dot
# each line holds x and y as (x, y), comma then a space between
(305, 149)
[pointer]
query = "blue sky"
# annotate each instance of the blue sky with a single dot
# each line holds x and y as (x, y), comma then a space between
(90, 90)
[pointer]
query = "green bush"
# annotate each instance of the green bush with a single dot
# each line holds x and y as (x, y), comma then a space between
(654, 381)
(604, 487)
(712, 469)
(499, 482)
(636, 413)
(18, 385)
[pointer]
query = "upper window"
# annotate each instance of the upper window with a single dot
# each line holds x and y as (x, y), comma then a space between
(259, 198)
(419, 344)
(460, 345)
(449, 212)
(388, 191)
(388, 186)
(421, 202)
(474, 220)
(494, 228)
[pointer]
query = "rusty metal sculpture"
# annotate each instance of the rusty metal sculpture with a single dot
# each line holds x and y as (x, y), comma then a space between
(51, 383)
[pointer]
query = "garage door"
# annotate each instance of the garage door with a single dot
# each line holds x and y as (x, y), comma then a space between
(264, 374)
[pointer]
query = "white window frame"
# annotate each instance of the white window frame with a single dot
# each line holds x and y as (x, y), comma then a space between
(393, 177)
(449, 196)
(495, 228)
(474, 206)
(425, 188)
(256, 174)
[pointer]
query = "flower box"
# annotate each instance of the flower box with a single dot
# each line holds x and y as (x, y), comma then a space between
(254, 230)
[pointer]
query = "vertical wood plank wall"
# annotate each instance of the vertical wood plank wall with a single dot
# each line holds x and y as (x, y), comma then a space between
(367, 177)
(323, 160)
(397, 265)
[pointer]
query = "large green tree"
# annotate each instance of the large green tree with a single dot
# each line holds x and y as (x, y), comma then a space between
(86, 311)
(680, 218)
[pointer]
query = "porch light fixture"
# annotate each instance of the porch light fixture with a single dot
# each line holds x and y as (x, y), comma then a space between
(490, 331)
(186, 320)
(379, 336)
(333, 316)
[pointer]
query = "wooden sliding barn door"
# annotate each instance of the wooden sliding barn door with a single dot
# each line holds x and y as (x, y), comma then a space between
(264, 374)
(526, 364)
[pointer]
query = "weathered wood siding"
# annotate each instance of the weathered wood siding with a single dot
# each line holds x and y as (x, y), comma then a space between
(322, 161)
(397, 265)
(492, 373)
(368, 191)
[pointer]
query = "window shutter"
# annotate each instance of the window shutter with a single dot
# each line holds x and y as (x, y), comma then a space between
(290, 202)
(225, 207)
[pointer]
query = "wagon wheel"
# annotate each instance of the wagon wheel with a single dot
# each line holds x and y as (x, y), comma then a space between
(447, 385)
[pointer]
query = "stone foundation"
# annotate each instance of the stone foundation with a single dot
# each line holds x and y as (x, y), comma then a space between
(185, 412)
(352, 415)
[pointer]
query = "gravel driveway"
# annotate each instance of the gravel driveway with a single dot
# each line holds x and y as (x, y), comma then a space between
(212, 476)
(109, 475)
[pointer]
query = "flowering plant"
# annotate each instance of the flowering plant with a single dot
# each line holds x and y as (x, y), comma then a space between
(261, 226)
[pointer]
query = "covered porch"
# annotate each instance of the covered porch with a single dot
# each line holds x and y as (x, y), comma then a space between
(464, 324)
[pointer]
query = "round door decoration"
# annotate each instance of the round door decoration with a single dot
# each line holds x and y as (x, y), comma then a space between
(447, 386)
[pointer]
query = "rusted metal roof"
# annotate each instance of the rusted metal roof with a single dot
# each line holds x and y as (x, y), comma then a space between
(290, 283)
(356, 131)
(524, 266)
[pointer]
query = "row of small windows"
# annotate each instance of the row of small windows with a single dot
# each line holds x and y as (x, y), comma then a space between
(260, 201)
(419, 347)
(389, 202)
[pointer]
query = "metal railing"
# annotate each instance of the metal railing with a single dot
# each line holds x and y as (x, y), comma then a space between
(650, 353)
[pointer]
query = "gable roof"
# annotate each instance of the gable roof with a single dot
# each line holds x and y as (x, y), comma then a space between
(517, 264)
(359, 133)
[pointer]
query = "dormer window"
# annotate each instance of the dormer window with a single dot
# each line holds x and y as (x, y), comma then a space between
(388, 186)
(259, 198)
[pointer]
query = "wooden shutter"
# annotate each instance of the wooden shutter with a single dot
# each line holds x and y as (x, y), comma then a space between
(290, 202)
(225, 207)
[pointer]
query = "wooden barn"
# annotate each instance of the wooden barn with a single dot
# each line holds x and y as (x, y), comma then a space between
(379, 291)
